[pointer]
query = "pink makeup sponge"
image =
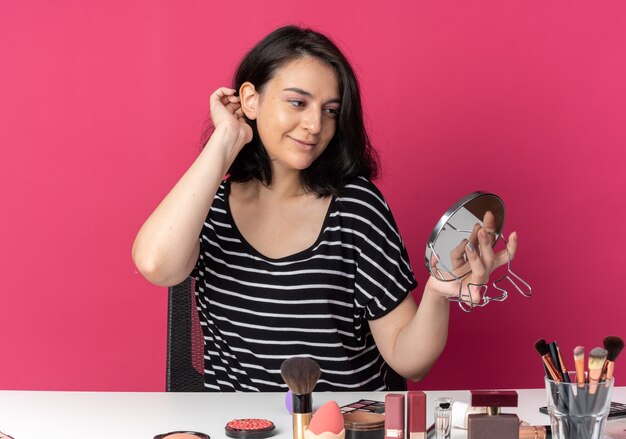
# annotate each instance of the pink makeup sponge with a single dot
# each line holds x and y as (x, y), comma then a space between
(327, 419)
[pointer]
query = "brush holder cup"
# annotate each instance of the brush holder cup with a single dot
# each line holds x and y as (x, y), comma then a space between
(446, 260)
(578, 412)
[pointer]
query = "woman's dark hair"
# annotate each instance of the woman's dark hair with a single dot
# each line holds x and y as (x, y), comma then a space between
(349, 153)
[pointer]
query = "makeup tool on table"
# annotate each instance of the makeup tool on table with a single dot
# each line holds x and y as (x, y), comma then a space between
(555, 353)
(327, 423)
(579, 403)
(613, 346)
(542, 347)
(445, 256)
(597, 357)
(579, 362)
(300, 375)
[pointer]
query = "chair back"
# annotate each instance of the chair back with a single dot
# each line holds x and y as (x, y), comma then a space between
(185, 343)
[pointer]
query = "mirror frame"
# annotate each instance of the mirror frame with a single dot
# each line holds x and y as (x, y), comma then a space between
(438, 229)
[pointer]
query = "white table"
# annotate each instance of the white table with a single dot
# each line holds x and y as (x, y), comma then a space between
(114, 415)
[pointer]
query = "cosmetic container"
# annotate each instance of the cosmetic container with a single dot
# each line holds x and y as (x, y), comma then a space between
(416, 414)
(364, 425)
(443, 411)
(394, 416)
(493, 424)
(460, 412)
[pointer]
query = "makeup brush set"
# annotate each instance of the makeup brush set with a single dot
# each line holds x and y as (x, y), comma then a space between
(601, 362)
(579, 401)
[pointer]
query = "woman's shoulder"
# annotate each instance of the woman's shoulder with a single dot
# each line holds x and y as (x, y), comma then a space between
(365, 191)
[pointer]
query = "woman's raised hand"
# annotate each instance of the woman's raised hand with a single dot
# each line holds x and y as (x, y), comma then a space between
(481, 258)
(227, 115)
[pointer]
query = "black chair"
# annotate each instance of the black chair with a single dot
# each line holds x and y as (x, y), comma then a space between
(185, 344)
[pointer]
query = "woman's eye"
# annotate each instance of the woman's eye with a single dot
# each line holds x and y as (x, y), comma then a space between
(334, 112)
(296, 103)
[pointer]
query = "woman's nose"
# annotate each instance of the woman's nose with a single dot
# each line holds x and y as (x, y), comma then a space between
(312, 120)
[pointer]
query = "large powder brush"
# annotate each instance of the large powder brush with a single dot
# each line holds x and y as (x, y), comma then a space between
(301, 375)
(613, 346)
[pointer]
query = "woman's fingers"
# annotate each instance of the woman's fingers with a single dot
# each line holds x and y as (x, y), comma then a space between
(457, 255)
(233, 106)
(486, 249)
(503, 256)
(476, 264)
(473, 238)
(489, 224)
(224, 105)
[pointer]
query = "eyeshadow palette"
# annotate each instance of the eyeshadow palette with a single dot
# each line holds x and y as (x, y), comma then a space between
(364, 405)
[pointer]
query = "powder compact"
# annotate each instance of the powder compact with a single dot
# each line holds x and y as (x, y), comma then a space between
(360, 424)
(249, 428)
(182, 435)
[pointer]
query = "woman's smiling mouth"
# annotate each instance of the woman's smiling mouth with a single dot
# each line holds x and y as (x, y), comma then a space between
(307, 146)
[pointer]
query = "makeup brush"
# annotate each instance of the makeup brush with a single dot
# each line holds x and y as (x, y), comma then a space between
(597, 356)
(564, 370)
(542, 347)
(613, 346)
(579, 362)
(301, 375)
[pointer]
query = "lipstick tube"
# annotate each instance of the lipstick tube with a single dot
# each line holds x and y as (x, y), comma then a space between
(416, 410)
(394, 416)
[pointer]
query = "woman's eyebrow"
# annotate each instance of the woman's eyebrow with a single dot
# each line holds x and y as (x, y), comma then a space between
(308, 94)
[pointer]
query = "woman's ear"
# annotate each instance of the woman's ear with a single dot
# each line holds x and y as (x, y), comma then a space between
(249, 99)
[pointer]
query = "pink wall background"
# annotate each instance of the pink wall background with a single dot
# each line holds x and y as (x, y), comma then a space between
(102, 105)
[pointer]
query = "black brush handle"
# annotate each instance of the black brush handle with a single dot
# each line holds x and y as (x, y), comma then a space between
(302, 403)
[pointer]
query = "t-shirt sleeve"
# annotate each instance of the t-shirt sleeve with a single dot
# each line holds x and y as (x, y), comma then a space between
(207, 233)
(384, 276)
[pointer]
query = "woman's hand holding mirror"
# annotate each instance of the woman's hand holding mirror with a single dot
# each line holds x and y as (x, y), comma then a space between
(460, 253)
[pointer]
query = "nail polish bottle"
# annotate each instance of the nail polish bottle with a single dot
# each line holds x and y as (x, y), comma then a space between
(493, 424)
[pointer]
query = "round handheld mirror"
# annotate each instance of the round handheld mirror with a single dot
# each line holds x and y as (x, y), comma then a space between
(445, 256)
(445, 251)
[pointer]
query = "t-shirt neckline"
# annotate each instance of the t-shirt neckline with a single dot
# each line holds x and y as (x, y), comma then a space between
(260, 255)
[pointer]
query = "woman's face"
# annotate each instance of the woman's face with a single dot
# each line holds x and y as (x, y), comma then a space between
(297, 113)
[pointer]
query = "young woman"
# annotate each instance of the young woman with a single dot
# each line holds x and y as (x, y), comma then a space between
(296, 253)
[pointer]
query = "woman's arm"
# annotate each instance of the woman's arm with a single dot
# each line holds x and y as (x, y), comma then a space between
(411, 338)
(166, 248)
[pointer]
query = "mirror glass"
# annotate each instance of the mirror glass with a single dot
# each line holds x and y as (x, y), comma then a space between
(445, 252)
